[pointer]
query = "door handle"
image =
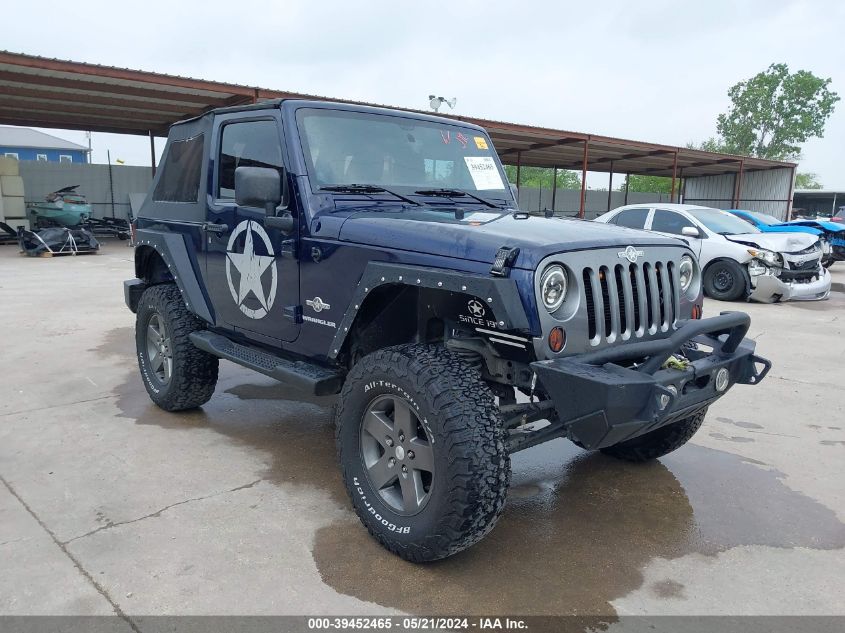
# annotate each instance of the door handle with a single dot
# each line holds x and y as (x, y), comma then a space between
(215, 228)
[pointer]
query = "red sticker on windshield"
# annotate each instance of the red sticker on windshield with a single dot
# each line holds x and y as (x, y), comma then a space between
(463, 140)
(446, 136)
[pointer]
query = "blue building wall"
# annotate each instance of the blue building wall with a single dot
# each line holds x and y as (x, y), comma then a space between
(27, 153)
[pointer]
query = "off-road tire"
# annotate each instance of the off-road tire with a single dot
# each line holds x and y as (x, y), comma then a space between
(738, 289)
(657, 443)
(471, 463)
(194, 373)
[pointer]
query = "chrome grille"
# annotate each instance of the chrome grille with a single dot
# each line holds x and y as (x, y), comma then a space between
(630, 300)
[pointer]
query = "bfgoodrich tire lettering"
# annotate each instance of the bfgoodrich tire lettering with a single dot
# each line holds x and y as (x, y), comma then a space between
(658, 443)
(471, 467)
(192, 376)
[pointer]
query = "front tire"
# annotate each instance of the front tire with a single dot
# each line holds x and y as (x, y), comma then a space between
(725, 280)
(658, 443)
(176, 373)
(422, 451)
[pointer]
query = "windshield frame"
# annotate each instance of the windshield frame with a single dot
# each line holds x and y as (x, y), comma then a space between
(728, 217)
(501, 198)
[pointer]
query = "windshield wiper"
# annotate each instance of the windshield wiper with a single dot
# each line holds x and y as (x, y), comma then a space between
(454, 193)
(355, 188)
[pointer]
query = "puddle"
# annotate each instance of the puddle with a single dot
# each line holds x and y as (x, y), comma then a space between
(741, 424)
(731, 438)
(577, 532)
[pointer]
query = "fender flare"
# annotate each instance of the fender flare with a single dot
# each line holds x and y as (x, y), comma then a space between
(174, 252)
(500, 293)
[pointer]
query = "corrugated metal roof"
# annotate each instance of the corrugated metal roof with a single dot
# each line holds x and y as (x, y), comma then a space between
(42, 92)
(25, 137)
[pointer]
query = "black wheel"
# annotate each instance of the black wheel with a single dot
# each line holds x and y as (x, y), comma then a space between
(725, 280)
(422, 451)
(658, 443)
(176, 373)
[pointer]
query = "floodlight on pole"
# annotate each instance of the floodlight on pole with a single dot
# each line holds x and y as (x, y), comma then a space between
(435, 102)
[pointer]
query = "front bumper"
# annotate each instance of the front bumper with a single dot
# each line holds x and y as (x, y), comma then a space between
(770, 289)
(619, 393)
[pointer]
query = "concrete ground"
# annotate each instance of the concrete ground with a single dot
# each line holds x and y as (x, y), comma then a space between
(108, 504)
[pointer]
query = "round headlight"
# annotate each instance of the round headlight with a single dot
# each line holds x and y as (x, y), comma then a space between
(553, 287)
(686, 271)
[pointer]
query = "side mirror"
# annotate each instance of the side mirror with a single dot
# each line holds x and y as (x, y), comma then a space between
(690, 231)
(258, 187)
(266, 188)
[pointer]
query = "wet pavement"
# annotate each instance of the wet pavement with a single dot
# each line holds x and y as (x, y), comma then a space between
(109, 504)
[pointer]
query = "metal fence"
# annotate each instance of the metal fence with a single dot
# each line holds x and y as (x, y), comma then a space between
(568, 201)
(107, 193)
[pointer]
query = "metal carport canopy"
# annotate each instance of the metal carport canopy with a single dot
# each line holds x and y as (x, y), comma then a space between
(41, 92)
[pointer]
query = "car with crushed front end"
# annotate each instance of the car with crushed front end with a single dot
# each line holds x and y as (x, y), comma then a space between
(830, 234)
(379, 255)
(738, 260)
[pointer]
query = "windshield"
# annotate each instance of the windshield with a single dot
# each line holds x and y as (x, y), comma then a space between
(768, 220)
(399, 153)
(722, 222)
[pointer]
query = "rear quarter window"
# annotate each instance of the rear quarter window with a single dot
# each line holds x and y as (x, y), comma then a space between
(180, 174)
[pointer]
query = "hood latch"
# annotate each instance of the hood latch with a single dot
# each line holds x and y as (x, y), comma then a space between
(505, 258)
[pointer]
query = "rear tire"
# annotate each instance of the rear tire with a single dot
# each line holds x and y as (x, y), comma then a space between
(176, 373)
(725, 280)
(450, 493)
(657, 443)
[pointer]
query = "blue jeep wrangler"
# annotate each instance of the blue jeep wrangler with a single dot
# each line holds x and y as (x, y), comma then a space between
(380, 255)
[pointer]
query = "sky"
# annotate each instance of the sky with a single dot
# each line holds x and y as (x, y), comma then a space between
(654, 71)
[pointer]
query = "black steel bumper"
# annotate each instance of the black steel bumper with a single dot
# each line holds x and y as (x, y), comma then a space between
(612, 395)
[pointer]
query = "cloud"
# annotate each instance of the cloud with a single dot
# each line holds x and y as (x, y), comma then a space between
(656, 71)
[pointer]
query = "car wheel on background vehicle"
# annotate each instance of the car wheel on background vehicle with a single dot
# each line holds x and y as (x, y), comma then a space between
(725, 280)
(176, 374)
(658, 443)
(422, 451)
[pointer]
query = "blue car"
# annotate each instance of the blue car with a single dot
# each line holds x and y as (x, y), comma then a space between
(831, 234)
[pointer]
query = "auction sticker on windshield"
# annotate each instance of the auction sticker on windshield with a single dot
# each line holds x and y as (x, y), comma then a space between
(484, 173)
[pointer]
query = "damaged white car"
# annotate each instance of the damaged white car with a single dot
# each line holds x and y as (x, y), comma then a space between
(738, 260)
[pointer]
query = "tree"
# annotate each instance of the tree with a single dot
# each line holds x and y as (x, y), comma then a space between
(650, 184)
(775, 111)
(807, 180)
(535, 177)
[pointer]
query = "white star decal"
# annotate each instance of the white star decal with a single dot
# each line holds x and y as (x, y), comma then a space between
(251, 268)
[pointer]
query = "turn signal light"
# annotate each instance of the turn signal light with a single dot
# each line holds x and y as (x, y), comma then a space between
(557, 339)
(696, 311)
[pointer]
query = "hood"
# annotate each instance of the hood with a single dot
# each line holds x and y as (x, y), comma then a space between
(777, 242)
(834, 227)
(478, 235)
(789, 228)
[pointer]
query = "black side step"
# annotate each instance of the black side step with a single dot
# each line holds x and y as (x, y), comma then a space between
(307, 377)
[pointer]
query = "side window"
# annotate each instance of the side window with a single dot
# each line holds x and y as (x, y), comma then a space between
(65, 158)
(632, 218)
(180, 174)
(41, 158)
(247, 144)
(669, 222)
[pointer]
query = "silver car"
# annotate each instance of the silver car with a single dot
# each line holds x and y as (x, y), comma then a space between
(739, 261)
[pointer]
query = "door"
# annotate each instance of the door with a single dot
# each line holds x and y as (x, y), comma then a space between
(252, 274)
(672, 223)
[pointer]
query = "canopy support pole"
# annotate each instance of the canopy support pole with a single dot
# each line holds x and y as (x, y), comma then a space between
(584, 179)
(152, 152)
(554, 187)
(627, 178)
(518, 167)
(674, 177)
(610, 186)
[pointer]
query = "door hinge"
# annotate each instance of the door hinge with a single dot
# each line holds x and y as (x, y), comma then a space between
(293, 313)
